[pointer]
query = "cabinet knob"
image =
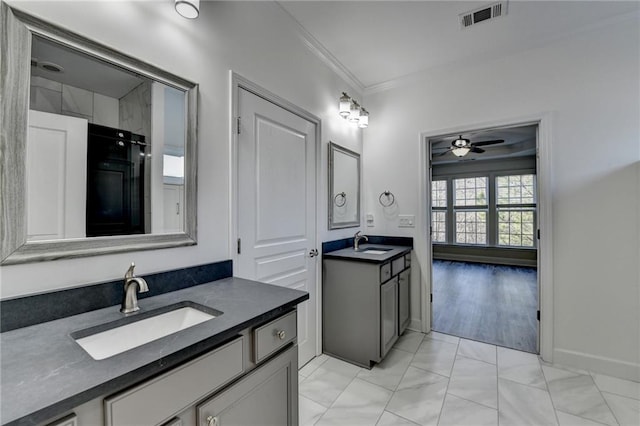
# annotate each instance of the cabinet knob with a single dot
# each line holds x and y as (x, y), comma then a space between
(212, 421)
(281, 334)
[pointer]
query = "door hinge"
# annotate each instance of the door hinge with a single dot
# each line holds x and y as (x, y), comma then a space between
(538, 315)
(538, 234)
(238, 125)
(239, 246)
(431, 230)
(431, 297)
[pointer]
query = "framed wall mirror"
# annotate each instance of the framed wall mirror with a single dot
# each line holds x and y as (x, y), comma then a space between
(344, 187)
(98, 148)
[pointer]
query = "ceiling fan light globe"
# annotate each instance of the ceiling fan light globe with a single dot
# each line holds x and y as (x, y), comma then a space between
(461, 151)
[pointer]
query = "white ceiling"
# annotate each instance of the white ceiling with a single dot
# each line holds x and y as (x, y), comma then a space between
(519, 141)
(379, 41)
(82, 70)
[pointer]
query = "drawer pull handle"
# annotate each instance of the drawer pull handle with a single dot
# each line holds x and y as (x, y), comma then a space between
(281, 334)
(212, 421)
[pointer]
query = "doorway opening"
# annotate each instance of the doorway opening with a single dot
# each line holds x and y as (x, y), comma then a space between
(484, 236)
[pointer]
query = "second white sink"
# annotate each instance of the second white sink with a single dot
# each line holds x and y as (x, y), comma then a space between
(374, 250)
(116, 340)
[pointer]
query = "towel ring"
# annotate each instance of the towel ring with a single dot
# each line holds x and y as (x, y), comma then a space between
(390, 198)
(341, 201)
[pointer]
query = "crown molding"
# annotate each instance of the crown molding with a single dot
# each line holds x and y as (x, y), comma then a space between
(323, 53)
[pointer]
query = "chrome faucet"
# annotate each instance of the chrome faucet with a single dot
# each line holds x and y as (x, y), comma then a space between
(132, 285)
(356, 240)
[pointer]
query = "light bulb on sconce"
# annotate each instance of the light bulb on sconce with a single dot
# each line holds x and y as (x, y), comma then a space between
(189, 9)
(345, 105)
(354, 113)
(363, 121)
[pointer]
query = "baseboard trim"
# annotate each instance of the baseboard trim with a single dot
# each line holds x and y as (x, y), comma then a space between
(415, 325)
(597, 364)
(485, 259)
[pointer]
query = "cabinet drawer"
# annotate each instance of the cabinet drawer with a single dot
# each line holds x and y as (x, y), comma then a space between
(385, 272)
(274, 335)
(397, 265)
(407, 260)
(158, 399)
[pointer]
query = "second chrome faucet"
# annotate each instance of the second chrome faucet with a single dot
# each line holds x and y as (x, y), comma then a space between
(357, 238)
(132, 285)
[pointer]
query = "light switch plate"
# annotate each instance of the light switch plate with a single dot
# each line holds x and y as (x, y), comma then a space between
(369, 220)
(406, 221)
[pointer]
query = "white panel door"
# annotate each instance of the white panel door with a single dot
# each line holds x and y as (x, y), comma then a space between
(56, 176)
(172, 208)
(277, 205)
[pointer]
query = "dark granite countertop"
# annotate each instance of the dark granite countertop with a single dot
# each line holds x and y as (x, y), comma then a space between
(350, 254)
(45, 372)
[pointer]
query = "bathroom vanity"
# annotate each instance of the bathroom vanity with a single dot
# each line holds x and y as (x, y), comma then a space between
(239, 367)
(365, 301)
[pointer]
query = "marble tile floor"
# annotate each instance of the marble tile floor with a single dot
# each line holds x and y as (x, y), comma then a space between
(437, 379)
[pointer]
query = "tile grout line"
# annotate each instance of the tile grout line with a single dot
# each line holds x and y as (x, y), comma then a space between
(497, 388)
(604, 399)
(446, 391)
(337, 397)
(553, 404)
(589, 374)
(474, 402)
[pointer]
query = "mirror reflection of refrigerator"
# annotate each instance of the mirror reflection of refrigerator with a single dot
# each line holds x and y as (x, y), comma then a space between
(116, 161)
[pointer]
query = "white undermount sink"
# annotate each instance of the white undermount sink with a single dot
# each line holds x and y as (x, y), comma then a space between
(118, 339)
(374, 250)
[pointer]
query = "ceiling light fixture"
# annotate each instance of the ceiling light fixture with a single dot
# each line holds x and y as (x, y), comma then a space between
(460, 142)
(461, 151)
(353, 112)
(189, 9)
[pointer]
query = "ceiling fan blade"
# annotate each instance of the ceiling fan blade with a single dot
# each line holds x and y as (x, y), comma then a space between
(477, 150)
(440, 154)
(483, 143)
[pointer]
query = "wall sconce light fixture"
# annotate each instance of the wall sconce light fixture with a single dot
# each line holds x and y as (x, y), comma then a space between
(353, 112)
(188, 8)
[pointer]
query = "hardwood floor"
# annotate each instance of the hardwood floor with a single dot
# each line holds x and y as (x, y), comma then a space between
(488, 303)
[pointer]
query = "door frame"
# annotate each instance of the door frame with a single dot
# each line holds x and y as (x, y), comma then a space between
(545, 219)
(237, 82)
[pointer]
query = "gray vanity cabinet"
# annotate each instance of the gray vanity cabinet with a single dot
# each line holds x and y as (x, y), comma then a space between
(388, 315)
(365, 307)
(251, 380)
(262, 398)
(404, 280)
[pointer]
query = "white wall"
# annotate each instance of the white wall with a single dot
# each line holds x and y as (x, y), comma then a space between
(255, 39)
(589, 84)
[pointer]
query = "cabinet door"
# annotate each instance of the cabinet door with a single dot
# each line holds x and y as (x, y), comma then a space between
(403, 300)
(388, 315)
(266, 397)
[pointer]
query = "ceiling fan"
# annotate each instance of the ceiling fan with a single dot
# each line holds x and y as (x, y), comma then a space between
(462, 146)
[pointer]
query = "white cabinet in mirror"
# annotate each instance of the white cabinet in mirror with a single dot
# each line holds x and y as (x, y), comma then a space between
(344, 187)
(101, 150)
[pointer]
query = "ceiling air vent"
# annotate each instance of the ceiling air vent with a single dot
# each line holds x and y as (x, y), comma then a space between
(484, 13)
